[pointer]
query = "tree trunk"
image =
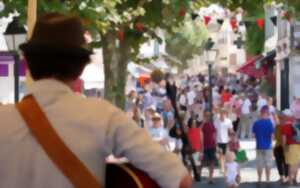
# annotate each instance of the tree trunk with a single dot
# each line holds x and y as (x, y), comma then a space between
(116, 58)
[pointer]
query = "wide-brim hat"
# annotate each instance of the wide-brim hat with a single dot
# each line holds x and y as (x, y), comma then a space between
(57, 34)
(156, 117)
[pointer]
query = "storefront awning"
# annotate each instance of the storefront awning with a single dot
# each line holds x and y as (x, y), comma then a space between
(250, 68)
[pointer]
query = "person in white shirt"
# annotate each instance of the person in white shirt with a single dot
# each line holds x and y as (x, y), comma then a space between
(246, 120)
(91, 128)
(232, 171)
(183, 100)
(158, 133)
(223, 126)
(216, 97)
(191, 95)
(262, 101)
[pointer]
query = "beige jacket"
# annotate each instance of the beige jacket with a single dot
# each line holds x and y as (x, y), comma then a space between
(91, 128)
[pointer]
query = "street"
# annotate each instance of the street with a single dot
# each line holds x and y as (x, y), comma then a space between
(248, 173)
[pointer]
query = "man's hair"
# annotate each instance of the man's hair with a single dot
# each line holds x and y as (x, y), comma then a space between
(59, 66)
(264, 109)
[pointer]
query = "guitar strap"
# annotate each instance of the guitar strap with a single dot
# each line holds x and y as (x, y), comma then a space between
(53, 145)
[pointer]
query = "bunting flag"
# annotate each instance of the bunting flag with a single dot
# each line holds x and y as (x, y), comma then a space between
(233, 23)
(239, 42)
(194, 16)
(260, 23)
(274, 20)
(220, 21)
(207, 20)
(287, 16)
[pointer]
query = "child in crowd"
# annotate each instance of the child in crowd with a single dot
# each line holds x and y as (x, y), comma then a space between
(159, 133)
(232, 171)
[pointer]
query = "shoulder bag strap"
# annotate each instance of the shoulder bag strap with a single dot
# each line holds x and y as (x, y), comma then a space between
(53, 145)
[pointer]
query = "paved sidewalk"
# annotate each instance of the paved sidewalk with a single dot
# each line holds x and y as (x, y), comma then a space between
(248, 173)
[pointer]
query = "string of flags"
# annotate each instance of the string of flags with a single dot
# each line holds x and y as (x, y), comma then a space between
(260, 22)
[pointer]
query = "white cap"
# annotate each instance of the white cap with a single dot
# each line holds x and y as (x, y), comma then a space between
(152, 107)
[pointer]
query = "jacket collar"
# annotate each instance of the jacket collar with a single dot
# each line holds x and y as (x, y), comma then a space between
(48, 86)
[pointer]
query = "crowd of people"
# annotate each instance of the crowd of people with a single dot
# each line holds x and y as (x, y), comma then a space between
(240, 110)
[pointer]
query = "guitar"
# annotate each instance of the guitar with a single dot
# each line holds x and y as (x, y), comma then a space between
(125, 175)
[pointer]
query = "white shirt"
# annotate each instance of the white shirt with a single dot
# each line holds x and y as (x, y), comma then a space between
(159, 134)
(261, 103)
(191, 95)
(232, 169)
(246, 106)
(93, 129)
(182, 100)
(223, 128)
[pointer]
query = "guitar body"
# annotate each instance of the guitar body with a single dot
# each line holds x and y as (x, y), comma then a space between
(126, 175)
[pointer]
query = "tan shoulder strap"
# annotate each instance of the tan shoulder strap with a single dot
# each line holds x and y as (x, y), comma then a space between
(53, 145)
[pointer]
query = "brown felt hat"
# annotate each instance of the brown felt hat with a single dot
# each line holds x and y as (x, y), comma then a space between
(56, 33)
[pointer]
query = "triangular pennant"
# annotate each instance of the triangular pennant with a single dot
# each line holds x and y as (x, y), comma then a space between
(194, 16)
(248, 24)
(207, 20)
(220, 21)
(274, 20)
(260, 23)
(233, 24)
(287, 16)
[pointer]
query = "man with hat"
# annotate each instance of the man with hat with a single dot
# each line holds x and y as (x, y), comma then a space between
(90, 128)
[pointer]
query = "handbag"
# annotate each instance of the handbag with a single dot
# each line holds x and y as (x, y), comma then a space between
(241, 156)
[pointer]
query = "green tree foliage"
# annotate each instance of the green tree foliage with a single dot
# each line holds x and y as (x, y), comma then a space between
(187, 40)
(118, 26)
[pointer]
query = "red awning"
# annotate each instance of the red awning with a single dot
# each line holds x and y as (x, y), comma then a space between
(250, 69)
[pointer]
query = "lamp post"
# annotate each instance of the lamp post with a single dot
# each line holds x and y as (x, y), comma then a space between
(14, 36)
(211, 56)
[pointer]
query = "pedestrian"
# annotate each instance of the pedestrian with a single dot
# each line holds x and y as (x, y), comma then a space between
(263, 130)
(282, 166)
(291, 146)
(183, 100)
(232, 171)
(273, 112)
(209, 145)
(236, 105)
(234, 143)
(262, 101)
(295, 108)
(130, 101)
(245, 122)
(196, 140)
(158, 133)
(168, 114)
(149, 113)
(91, 128)
(225, 96)
(224, 127)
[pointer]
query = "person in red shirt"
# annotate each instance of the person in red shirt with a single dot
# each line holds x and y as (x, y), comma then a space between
(195, 138)
(209, 145)
(291, 149)
(226, 96)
